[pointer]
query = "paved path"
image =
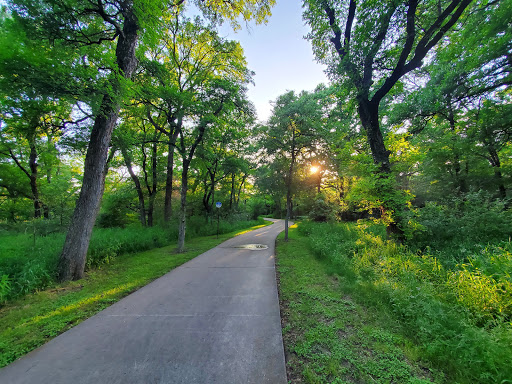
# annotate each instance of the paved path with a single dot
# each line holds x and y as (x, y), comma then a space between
(215, 319)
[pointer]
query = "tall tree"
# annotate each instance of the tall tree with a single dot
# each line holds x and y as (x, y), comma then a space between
(295, 126)
(218, 101)
(189, 56)
(374, 44)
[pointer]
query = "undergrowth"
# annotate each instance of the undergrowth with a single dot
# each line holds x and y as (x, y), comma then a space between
(331, 338)
(459, 316)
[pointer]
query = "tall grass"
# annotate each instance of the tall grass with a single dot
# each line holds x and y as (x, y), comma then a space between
(460, 316)
(28, 262)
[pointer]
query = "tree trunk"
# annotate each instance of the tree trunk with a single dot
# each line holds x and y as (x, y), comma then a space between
(46, 211)
(459, 179)
(168, 183)
(33, 180)
(240, 190)
(369, 115)
(74, 253)
(501, 186)
(183, 207)
(173, 136)
(138, 188)
(494, 160)
(289, 189)
(154, 179)
(232, 195)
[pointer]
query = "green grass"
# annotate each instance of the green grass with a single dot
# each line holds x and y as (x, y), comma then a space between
(331, 338)
(34, 319)
(360, 309)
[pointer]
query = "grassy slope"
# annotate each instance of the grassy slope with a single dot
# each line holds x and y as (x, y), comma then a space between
(34, 319)
(330, 338)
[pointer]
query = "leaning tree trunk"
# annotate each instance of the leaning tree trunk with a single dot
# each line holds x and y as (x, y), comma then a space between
(74, 253)
(184, 182)
(369, 116)
(138, 187)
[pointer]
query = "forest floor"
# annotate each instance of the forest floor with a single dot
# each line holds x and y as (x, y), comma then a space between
(331, 338)
(34, 319)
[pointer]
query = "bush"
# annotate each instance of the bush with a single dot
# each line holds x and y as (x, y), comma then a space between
(455, 228)
(321, 210)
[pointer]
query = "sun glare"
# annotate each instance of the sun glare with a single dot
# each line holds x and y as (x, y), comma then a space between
(313, 169)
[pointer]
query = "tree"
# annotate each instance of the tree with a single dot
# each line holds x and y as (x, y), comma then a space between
(294, 126)
(466, 75)
(374, 45)
(190, 56)
(35, 108)
(218, 101)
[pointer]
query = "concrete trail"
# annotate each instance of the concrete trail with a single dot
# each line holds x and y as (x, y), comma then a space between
(215, 319)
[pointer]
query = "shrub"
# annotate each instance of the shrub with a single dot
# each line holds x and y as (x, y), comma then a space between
(455, 228)
(321, 210)
(5, 287)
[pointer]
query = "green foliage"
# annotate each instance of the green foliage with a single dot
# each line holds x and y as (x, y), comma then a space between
(329, 337)
(456, 228)
(380, 195)
(456, 316)
(258, 206)
(5, 287)
(322, 209)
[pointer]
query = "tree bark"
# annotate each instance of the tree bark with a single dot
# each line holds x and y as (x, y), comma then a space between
(289, 188)
(172, 136)
(152, 188)
(459, 179)
(33, 180)
(168, 183)
(369, 116)
(232, 195)
(494, 160)
(183, 207)
(74, 253)
(32, 176)
(138, 188)
(186, 159)
(240, 190)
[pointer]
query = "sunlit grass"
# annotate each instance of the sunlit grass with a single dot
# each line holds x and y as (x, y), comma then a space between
(458, 318)
(328, 336)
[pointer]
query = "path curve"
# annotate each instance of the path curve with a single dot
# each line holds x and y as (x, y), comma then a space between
(214, 319)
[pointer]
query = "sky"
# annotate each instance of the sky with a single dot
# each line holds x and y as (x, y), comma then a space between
(282, 59)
